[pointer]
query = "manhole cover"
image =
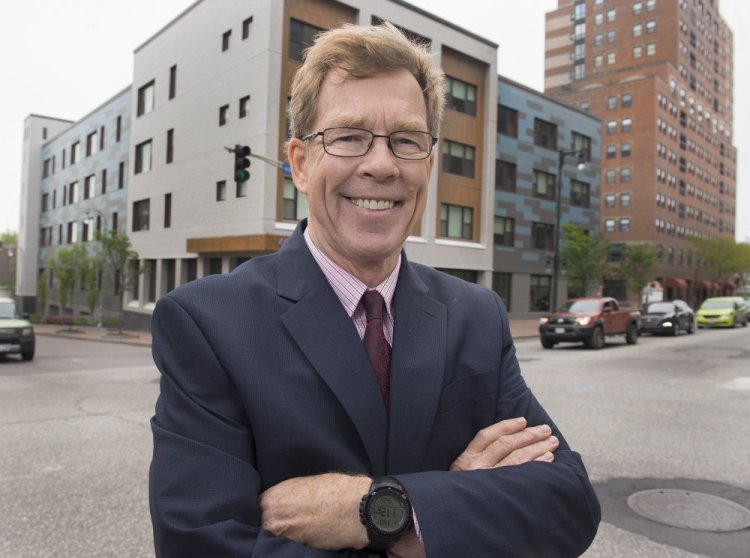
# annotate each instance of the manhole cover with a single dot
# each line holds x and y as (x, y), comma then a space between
(690, 510)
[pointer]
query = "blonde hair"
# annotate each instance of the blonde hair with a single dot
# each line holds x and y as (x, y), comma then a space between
(361, 52)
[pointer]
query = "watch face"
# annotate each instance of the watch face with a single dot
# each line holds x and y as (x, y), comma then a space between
(388, 512)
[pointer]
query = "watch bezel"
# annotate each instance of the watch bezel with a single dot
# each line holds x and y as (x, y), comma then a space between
(400, 496)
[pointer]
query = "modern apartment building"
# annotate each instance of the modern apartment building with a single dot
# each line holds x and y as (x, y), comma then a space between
(659, 74)
(220, 75)
(76, 188)
(538, 137)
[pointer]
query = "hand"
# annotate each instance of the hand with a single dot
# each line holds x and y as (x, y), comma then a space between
(508, 442)
(321, 511)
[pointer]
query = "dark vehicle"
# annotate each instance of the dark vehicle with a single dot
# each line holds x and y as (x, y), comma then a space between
(670, 317)
(589, 320)
(16, 333)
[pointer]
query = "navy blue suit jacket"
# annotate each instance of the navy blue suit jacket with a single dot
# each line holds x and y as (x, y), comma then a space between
(264, 378)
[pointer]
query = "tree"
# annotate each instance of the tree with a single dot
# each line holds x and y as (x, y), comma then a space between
(9, 240)
(41, 290)
(585, 255)
(90, 284)
(120, 265)
(723, 255)
(68, 265)
(638, 265)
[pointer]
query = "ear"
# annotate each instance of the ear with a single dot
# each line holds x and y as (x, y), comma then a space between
(298, 160)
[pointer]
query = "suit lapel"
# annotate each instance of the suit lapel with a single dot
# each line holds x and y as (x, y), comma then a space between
(417, 369)
(327, 337)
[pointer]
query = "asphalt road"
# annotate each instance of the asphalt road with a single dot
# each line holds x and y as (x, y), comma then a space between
(665, 413)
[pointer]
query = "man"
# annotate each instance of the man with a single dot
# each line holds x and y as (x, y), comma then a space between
(297, 420)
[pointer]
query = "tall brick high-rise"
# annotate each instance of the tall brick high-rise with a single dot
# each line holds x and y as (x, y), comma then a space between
(659, 74)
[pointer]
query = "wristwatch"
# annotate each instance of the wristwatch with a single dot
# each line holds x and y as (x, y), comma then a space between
(385, 511)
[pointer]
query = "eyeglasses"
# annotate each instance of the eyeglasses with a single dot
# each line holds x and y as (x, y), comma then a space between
(356, 142)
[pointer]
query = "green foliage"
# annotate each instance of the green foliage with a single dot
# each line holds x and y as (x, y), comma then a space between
(120, 264)
(725, 257)
(586, 258)
(638, 265)
(8, 238)
(68, 264)
(90, 274)
(41, 290)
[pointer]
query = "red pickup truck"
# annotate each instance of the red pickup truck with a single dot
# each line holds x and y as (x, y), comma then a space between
(589, 320)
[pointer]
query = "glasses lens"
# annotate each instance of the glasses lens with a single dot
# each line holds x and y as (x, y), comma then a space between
(411, 144)
(347, 142)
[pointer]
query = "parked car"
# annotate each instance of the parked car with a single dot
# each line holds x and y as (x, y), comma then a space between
(16, 333)
(589, 320)
(670, 317)
(722, 311)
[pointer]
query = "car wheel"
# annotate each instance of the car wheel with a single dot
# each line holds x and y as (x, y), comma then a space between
(28, 355)
(675, 330)
(596, 341)
(631, 334)
(547, 343)
(744, 324)
(691, 327)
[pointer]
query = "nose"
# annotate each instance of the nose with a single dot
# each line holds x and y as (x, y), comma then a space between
(380, 162)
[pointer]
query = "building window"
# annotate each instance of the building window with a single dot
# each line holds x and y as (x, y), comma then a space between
(627, 125)
(146, 99)
(637, 51)
(244, 106)
(611, 36)
(598, 60)
(246, 25)
(45, 202)
(625, 150)
(637, 30)
(101, 144)
(544, 185)
(542, 236)
(89, 186)
(580, 193)
(221, 190)
(75, 153)
(611, 102)
(301, 36)
(539, 293)
(505, 176)
(627, 100)
(73, 193)
(104, 181)
(650, 49)
(599, 39)
(651, 26)
(625, 224)
(91, 144)
(611, 151)
(118, 129)
(143, 157)
(584, 105)
(610, 200)
(461, 96)
(625, 200)
(650, 5)
(141, 211)
(583, 144)
(225, 37)
(610, 176)
(121, 176)
(545, 134)
(612, 127)
(637, 8)
(507, 122)
(504, 231)
(458, 158)
(501, 285)
(609, 225)
(173, 81)
(625, 175)
(295, 203)
(167, 210)
(456, 221)
(170, 145)
(611, 58)
(223, 111)
(611, 14)
(598, 19)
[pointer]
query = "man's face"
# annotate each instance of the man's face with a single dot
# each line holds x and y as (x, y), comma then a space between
(361, 209)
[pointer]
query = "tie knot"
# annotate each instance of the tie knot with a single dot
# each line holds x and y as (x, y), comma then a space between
(373, 303)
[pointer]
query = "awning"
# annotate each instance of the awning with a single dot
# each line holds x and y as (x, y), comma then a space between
(704, 285)
(675, 283)
(730, 286)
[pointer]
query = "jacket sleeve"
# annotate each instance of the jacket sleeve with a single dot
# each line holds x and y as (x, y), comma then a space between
(535, 509)
(203, 486)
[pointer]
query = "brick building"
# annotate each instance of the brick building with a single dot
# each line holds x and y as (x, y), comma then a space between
(659, 74)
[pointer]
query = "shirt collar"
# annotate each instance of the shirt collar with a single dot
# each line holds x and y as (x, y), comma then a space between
(347, 287)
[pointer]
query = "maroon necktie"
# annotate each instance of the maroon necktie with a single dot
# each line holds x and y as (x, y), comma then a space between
(376, 345)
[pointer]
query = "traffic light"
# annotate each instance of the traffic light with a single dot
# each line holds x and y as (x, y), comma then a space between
(241, 163)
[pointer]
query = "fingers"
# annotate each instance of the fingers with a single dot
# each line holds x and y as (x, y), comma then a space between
(494, 432)
(537, 451)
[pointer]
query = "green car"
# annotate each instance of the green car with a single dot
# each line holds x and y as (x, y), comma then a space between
(16, 334)
(726, 311)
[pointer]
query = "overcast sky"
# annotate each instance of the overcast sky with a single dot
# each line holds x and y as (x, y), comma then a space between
(65, 58)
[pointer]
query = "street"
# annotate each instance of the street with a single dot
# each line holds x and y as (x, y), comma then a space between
(670, 413)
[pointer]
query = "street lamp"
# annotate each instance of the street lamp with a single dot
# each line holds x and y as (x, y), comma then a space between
(580, 155)
(100, 323)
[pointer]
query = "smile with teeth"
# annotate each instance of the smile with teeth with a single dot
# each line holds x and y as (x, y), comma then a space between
(373, 204)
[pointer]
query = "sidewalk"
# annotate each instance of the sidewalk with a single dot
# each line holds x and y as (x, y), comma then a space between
(519, 327)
